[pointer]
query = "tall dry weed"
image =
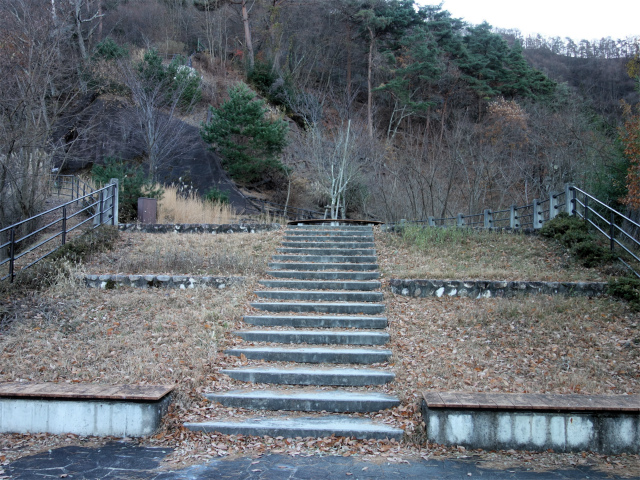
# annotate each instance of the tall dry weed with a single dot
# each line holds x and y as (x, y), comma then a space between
(177, 208)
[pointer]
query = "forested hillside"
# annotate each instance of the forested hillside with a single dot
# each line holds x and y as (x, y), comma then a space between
(393, 110)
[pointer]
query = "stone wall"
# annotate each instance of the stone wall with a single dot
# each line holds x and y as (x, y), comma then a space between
(488, 288)
(158, 281)
(199, 228)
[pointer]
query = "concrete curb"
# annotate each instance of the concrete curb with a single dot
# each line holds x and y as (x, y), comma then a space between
(199, 228)
(158, 281)
(489, 288)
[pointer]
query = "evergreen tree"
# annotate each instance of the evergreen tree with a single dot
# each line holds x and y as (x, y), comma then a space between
(248, 141)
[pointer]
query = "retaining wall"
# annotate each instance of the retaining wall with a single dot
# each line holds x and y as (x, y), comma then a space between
(489, 288)
(158, 281)
(198, 228)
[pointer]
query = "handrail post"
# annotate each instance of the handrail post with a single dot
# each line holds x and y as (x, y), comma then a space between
(586, 209)
(12, 252)
(514, 219)
(460, 220)
(488, 218)
(431, 221)
(612, 230)
(553, 205)
(115, 201)
(101, 204)
(569, 199)
(538, 217)
(64, 225)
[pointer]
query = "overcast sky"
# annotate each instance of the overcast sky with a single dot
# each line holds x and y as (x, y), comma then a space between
(577, 19)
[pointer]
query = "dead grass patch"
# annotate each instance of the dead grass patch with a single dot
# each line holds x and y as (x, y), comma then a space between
(187, 254)
(174, 207)
(463, 254)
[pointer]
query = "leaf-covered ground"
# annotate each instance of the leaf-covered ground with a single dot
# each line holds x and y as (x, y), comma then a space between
(530, 344)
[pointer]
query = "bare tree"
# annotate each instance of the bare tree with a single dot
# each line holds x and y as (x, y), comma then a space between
(35, 90)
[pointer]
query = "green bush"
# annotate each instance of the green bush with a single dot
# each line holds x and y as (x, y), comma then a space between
(248, 140)
(133, 185)
(626, 288)
(215, 195)
(572, 233)
(108, 49)
(185, 82)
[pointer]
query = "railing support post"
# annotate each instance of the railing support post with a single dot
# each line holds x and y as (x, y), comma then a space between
(101, 206)
(514, 219)
(431, 221)
(553, 205)
(460, 220)
(538, 216)
(12, 253)
(64, 225)
(569, 199)
(115, 201)
(488, 218)
(612, 230)
(586, 209)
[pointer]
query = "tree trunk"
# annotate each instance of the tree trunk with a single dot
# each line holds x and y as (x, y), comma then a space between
(369, 86)
(247, 34)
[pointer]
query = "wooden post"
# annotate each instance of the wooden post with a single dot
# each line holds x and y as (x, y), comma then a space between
(488, 218)
(460, 220)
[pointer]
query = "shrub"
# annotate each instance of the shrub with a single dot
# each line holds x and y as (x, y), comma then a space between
(185, 82)
(215, 195)
(626, 288)
(572, 233)
(133, 184)
(108, 49)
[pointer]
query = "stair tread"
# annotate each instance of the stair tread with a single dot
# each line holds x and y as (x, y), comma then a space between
(321, 395)
(316, 426)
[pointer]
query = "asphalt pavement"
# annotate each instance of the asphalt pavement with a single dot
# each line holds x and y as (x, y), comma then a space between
(124, 461)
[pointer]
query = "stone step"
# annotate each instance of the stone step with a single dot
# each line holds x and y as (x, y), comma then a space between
(327, 251)
(321, 285)
(351, 308)
(338, 377)
(315, 427)
(333, 401)
(323, 321)
(355, 228)
(326, 239)
(329, 244)
(315, 337)
(300, 266)
(361, 356)
(326, 258)
(329, 234)
(321, 295)
(324, 275)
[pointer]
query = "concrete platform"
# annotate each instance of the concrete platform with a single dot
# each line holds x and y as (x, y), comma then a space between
(99, 410)
(608, 424)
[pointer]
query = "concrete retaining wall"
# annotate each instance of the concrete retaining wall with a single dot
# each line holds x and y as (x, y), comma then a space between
(158, 281)
(488, 288)
(81, 417)
(606, 433)
(198, 228)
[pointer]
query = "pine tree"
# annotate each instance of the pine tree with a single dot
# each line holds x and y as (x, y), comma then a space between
(248, 141)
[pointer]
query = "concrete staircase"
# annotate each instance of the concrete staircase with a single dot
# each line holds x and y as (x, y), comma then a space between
(324, 309)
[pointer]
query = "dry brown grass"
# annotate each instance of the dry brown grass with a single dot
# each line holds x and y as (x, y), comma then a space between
(72, 334)
(465, 254)
(187, 254)
(175, 208)
(537, 344)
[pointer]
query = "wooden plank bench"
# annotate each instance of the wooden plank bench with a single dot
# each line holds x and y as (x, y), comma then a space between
(82, 409)
(493, 421)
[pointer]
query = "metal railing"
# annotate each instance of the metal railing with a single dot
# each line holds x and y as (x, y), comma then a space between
(621, 231)
(70, 186)
(23, 245)
(291, 213)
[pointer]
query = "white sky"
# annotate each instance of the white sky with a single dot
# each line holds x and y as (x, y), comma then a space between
(577, 19)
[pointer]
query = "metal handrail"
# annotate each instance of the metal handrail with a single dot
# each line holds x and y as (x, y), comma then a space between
(100, 206)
